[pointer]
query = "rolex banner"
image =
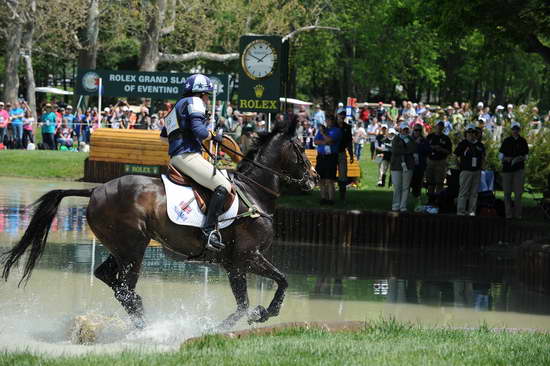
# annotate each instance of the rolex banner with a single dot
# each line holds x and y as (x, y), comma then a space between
(260, 73)
(154, 85)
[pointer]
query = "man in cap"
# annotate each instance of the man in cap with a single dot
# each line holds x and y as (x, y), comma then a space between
(318, 116)
(383, 152)
(402, 165)
(471, 154)
(436, 165)
(68, 117)
(498, 122)
(513, 153)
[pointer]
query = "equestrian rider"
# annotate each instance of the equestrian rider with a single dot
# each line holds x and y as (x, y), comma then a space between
(186, 126)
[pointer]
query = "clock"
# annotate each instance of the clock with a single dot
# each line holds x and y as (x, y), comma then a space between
(259, 59)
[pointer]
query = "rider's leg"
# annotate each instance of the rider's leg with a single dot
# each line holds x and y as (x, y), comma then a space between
(195, 166)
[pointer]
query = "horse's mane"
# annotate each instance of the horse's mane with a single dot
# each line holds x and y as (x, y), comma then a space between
(263, 138)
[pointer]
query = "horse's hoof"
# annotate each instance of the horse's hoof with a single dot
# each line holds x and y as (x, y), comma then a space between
(258, 315)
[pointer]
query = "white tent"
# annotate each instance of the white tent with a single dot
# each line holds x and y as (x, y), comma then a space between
(295, 101)
(48, 89)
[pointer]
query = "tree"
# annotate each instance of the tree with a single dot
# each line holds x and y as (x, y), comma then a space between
(520, 22)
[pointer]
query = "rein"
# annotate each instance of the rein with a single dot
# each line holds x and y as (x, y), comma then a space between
(282, 175)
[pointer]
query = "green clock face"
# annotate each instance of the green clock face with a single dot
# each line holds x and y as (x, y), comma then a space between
(259, 59)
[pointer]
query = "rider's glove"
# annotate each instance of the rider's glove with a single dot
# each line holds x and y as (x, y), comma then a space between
(218, 137)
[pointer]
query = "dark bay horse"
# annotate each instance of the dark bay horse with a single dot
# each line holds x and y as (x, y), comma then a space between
(127, 212)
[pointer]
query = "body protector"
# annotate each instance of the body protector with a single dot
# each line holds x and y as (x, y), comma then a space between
(185, 126)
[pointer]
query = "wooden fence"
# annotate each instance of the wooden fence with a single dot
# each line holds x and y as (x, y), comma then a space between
(378, 229)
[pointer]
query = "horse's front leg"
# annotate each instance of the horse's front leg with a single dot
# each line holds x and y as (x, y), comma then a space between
(264, 268)
(237, 280)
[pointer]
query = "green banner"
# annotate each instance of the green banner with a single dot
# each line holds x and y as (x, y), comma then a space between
(154, 85)
(141, 169)
(261, 58)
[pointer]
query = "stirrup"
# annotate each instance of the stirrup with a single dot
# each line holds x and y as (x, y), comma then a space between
(214, 241)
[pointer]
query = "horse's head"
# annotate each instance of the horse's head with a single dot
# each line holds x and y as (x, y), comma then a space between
(295, 165)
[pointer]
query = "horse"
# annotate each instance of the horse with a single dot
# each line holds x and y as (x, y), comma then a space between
(126, 213)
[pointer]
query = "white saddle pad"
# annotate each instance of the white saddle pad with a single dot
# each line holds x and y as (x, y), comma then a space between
(179, 196)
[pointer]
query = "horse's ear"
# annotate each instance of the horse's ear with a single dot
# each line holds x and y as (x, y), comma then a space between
(291, 126)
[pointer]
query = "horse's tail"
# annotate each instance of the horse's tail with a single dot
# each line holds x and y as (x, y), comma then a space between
(37, 232)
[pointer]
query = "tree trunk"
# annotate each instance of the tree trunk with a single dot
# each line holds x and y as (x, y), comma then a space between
(11, 78)
(26, 46)
(87, 56)
(149, 53)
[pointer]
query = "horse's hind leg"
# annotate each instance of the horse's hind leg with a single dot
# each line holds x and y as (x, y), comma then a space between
(122, 278)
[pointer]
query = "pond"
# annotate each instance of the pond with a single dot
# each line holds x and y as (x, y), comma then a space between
(182, 300)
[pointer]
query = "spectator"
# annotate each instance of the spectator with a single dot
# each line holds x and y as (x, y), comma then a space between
(48, 127)
(536, 124)
(471, 153)
(4, 119)
(498, 122)
(64, 138)
(436, 166)
(510, 115)
(372, 132)
(156, 123)
(68, 117)
(383, 152)
(422, 151)
(409, 113)
(28, 121)
(402, 165)
(16, 116)
(318, 117)
(327, 141)
(513, 153)
(309, 135)
(346, 144)
(221, 125)
(364, 114)
(238, 128)
(381, 111)
(393, 114)
(359, 138)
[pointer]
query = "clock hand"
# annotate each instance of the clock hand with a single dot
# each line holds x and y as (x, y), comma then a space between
(267, 54)
(254, 57)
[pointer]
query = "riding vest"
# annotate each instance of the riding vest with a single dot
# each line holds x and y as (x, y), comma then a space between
(185, 126)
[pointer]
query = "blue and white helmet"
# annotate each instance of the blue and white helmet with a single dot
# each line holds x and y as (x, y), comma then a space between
(198, 83)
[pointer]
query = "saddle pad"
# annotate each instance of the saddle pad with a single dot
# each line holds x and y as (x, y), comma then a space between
(179, 196)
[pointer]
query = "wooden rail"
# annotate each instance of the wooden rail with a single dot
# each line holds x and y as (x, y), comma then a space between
(112, 150)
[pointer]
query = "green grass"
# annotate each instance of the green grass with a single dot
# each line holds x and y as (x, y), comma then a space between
(42, 164)
(386, 342)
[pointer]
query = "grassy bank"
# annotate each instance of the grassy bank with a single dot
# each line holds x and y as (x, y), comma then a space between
(385, 343)
(42, 164)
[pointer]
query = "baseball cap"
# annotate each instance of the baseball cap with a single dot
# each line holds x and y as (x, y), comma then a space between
(516, 125)
(384, 126)
(380, 103)
(480, 105)
(471, 127)
(48, 105)
(403, 125)
(124, 108)
(154, 116)
(107, 110)
(510, 106)
(69, 107)
(392, 130)
(499, 107)
(340, 104)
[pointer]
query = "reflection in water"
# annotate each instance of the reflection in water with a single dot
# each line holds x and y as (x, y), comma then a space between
(182, 298)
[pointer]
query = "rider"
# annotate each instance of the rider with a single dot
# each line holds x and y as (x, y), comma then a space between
(186, 127)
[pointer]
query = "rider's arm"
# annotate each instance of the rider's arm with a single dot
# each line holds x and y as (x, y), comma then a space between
(197, 116)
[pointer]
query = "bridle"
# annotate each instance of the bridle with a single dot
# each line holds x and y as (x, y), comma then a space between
(285, 177)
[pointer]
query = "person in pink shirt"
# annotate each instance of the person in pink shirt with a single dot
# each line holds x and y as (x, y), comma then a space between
(4, 119)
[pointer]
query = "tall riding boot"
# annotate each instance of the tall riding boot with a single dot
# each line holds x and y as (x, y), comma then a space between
(383, 180)
(214, 209)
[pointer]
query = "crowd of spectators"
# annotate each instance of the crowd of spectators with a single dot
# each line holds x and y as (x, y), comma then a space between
(410, 143)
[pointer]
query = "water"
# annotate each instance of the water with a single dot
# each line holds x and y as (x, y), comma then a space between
(182, 300)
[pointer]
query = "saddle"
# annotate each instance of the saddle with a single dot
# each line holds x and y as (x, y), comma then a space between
(202, 194)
